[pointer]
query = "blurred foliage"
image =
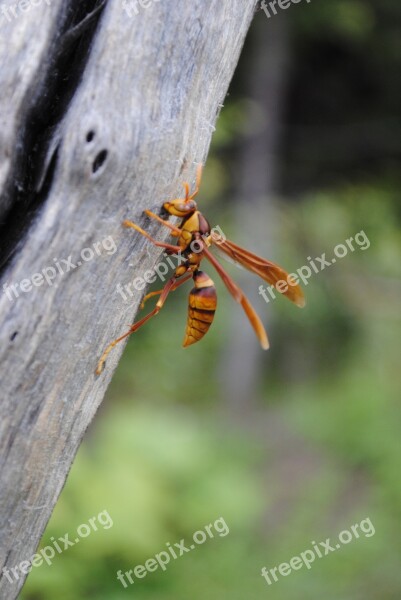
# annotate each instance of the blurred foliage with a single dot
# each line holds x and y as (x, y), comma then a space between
(165, 459)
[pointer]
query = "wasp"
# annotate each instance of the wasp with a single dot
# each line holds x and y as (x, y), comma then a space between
(194, 231)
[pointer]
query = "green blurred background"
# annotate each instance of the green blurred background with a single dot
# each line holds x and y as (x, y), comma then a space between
(303, 441)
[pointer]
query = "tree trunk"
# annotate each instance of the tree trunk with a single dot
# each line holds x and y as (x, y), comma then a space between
(102, 114)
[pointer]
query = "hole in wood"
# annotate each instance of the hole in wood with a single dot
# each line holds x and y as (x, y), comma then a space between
(90, 135)
(99, 160)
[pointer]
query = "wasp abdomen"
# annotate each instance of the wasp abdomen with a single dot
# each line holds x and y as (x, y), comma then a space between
(201, 308)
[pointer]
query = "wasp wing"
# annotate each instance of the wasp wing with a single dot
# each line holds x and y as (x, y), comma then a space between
(240, 297)
(267, 270)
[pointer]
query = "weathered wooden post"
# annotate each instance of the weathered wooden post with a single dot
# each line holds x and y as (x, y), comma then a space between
(105, 108)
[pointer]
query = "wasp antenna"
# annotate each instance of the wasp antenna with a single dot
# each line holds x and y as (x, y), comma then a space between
(198, 181)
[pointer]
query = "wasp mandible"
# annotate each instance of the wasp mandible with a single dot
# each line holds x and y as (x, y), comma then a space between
(203, 298)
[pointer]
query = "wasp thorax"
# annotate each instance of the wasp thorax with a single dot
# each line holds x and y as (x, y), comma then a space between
(180, 208)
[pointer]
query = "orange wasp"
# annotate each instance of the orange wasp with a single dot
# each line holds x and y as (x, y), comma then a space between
(194, 230)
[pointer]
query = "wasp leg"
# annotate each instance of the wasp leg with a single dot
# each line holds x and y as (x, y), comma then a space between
(155, 242)
(148, 296)
(171, 285)
(151, 294)
(176, 232)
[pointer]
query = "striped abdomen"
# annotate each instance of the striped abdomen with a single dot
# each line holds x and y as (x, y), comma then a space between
(201, 309)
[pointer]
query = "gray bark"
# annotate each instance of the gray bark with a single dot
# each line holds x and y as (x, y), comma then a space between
(98, 120)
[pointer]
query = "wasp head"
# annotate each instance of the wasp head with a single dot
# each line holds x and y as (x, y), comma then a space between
(180, 207)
